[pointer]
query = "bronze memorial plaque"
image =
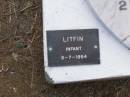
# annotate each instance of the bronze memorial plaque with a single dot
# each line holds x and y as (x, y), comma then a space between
(73, 47)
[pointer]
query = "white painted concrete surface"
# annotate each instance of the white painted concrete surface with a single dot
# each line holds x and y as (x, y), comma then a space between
(76, 14)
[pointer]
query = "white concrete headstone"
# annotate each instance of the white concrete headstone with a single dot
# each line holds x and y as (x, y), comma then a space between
(115, 15)
(91, 21)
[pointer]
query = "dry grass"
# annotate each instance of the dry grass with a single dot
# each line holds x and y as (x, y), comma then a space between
(21, 60)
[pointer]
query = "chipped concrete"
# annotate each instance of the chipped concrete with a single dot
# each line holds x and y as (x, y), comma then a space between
(48, 78)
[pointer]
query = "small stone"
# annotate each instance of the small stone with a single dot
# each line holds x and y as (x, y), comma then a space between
(20, 45)
(15, 56)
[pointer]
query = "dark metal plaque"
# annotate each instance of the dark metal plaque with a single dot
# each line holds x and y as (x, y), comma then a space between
(73, 47)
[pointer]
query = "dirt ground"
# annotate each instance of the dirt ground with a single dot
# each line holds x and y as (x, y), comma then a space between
(21, 58)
